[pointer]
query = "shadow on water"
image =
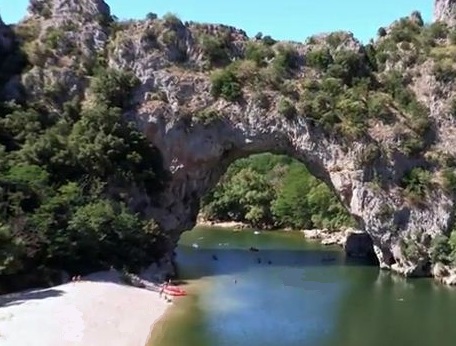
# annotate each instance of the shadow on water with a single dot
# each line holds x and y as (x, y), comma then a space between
(201, 263)
(22, 297)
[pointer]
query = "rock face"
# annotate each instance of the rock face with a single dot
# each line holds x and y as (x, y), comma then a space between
(356, 243)
(445, 10)
(200, 135)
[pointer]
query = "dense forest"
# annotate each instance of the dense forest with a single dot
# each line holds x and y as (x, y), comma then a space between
(57, 210)
(274, 191)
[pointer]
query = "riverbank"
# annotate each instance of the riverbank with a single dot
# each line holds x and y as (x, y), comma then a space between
(222, 224)
(324, 236)
(356, 243)
(99, 310)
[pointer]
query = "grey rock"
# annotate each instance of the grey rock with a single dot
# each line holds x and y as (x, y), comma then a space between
(445, 11)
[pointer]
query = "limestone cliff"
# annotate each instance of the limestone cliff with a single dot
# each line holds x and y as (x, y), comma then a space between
(444, 10)
(376, 122)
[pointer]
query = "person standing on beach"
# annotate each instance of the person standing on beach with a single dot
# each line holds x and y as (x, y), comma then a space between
(162, 288)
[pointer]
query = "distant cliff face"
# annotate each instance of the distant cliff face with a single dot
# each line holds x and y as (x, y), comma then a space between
(376, 123)
(445, 10)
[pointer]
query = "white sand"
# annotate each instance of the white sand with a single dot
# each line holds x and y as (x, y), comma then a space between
(225, 224)
(96, 312)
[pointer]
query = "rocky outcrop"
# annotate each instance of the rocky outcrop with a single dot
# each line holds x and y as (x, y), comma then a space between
(357, 244)
(444, 274)
(200, 134)
(445, 11)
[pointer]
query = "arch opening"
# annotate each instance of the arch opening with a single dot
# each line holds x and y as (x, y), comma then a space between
(273, 191)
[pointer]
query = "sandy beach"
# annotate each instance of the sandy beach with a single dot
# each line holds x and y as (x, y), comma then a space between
(224, 224)
(98, 311)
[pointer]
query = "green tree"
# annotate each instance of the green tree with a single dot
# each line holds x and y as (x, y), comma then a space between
(113, 87)
(245, 197)
(226, 84)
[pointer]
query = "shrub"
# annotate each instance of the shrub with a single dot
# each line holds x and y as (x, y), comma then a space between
(438, 30)
(37, 53)
(113, 87)
(226, 85)
(444, 72)
(268, 40)
(368, 155)
(332, 86)
(417, 18)
(28, 31)
(452, 36)
(420, 125)
(245, 71)
(396, 84)
(412, 145)
(449, 180)
(286, 108)
(54, 38)
(334, 39)
(258, 52)
(406, 46)
(440, 249)
(452, 242)
(258, 36)
(379, 106)
(215, 49)
(405, 30)
(169, 37)
(172, 20)
(348, 65)
(381, 32)
(410, 250)
(453, 107)
(320, 59)
(207, 116)
(417, 182)
(151, 16)
(261, 99)
(285, 60)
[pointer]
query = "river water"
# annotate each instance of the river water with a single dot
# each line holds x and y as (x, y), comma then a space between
(300, 294)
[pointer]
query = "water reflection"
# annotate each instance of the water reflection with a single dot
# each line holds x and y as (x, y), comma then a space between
(307, 296)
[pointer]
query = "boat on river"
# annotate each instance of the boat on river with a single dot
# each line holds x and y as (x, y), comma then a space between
(174, 291)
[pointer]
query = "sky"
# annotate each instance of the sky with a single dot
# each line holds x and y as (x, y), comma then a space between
(283, 19)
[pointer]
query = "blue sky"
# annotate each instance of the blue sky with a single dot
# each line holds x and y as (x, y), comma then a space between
(283, 19)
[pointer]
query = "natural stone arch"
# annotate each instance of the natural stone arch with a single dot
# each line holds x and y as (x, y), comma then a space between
(198, 155)
(175, 97)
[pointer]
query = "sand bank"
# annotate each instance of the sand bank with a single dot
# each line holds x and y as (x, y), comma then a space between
(97, 311)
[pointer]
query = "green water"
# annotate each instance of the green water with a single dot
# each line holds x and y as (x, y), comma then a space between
(308, 295)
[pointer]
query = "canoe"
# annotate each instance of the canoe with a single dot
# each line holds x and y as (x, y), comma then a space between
(175, 293)
(173, 290)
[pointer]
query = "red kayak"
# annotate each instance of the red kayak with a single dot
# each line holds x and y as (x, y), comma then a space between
(174, 291)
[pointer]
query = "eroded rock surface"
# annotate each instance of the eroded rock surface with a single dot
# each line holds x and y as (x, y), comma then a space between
(445, 10)
(200, 133)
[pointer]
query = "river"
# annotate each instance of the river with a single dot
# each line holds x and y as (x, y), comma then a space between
(300, 294)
